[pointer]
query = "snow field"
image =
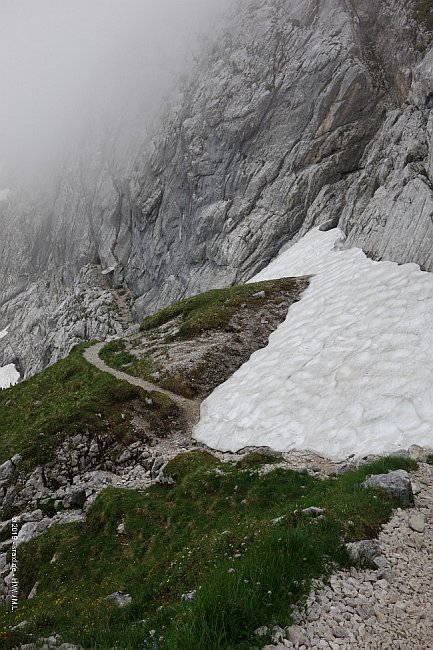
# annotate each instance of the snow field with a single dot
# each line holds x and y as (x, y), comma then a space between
(350, 371)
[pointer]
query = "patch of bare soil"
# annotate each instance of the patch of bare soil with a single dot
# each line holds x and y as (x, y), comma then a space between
(194, 368)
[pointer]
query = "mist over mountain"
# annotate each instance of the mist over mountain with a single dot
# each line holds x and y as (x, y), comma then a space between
(74, 71)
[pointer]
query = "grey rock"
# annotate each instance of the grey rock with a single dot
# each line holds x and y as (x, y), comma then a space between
(120, 599)
(21, 625)
(277, 520)
(381, 562)
(339, 632)
(157, 465)
(296, 634)
(50, 641)
(397, 483)
(32, 529)
(36, 515)
(365, 610)
(416, 489)
(387, 574)
(69, 517)
(7, 470)
(278, 634)
(125, 456)
(417, 523)
(189, 597)
(366, 549)
(420, 454)
(314, 511)
(75, 499)
(33, 591)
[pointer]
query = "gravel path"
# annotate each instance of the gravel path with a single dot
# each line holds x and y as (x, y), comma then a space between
(382, 609)
(191, 408)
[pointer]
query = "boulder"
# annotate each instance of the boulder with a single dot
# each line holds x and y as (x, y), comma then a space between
(397, 483)
(366, 549)
(32, 529)
(7, 470)
(120, 599)
(296, 634)
(417, 523)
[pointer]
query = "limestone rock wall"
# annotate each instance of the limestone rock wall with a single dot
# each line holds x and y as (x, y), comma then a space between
(299, 112)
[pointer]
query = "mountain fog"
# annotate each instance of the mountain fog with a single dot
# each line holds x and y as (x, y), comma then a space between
(76, 70)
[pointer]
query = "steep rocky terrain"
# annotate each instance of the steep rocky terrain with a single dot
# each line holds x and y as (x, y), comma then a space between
(73, 428)
(299, 112)
(127, 533)
(111, 511)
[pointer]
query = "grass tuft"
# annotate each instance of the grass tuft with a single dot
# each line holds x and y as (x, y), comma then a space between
(256, 459)
(213, 309)
(116, 355)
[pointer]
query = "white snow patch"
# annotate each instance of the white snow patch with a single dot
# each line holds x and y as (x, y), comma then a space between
(3, 333)
(9, 376)
(350, 371)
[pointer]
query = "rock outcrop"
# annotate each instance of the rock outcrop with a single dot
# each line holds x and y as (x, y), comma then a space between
(300, 112)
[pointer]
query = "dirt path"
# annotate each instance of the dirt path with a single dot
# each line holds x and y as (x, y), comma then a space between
(190, 407)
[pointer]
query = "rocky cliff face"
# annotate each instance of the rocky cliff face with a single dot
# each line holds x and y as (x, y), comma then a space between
(300, 112)
(305, 112)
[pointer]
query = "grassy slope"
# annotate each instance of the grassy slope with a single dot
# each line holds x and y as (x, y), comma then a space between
(188, 537)
(213, 309)
(69, 397)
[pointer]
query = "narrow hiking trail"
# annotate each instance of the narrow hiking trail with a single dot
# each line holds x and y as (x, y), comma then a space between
(191, 408)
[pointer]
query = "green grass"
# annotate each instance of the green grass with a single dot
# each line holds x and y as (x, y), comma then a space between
(177, 539)
(71, 397)
(213, 309)
(255, 460)
(116, 355)
(430, 459)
